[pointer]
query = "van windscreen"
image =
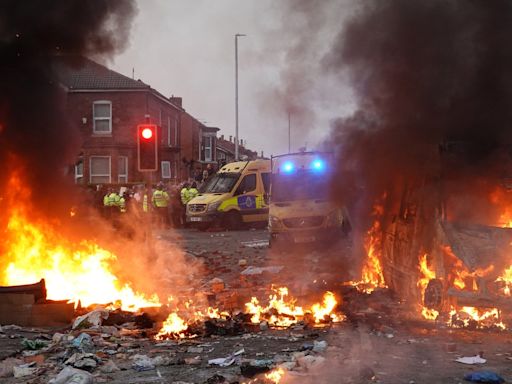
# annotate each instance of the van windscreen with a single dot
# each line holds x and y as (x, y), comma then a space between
(303, 185)
(221, 183)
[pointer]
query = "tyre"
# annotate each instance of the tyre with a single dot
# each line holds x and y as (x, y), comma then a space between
(434, 295)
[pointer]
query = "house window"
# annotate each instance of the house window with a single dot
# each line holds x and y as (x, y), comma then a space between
(79, 172)
(122, 169)
(102, 117)
(207, 147)
(166, 169)
(172, 132)
(100, 170)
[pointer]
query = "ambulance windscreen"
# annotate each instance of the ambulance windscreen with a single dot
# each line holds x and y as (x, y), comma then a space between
(303, 185)
(221, 183)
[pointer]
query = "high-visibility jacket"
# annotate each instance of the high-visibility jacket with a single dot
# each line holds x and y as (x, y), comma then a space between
(184, 196)
(145, 206)
(105, 200)
(122, 204)
(160, 199)
(113, 199)
(192, 192)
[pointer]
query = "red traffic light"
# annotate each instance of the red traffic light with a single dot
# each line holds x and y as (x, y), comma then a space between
(147, 133)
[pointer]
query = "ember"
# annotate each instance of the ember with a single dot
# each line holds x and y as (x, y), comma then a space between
(426, 275)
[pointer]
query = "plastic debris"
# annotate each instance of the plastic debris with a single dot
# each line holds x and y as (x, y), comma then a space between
(34, 344)
(471, 360)
(71, 375)
(142, 363)
(24, 370)
(484, 377)
(227, 361)
(94, 318)
(83, 342)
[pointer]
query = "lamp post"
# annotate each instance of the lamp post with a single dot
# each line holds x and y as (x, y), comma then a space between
(236, 94)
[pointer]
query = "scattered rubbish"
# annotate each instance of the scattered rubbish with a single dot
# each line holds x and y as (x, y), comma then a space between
(255, 367)
(93, 318)
(24, 370)
(319, 346)
(34, 344)
(471, 360)
(7, 365)
(484, 377)
(83, 343)
(85, 361)
(142, 363)
(71, 375)
(251, 270)
(227, 361)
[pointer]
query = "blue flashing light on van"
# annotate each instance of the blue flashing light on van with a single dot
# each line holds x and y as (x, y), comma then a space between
(288, 167)
(318, 165)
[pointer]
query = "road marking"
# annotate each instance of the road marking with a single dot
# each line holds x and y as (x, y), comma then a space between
(256, 243)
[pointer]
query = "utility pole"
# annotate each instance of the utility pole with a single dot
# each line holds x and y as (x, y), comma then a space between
(289, 134)
(236, 94)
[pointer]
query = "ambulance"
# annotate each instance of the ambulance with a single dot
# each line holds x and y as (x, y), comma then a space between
(234, 196)
(300, 210)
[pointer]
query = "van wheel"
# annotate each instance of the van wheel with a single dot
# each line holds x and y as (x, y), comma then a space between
(233, 221)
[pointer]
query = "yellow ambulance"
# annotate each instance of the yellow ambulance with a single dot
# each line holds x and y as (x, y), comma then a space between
(235, 195)
(301, 210)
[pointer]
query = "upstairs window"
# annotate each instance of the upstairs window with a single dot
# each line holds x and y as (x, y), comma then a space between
(122, 169)
(102, 117)
(166, 169)
(207, 148)
(99, 170)
(79, 172)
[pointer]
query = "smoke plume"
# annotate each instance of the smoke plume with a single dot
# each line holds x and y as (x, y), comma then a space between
(35, 135)
(426, 75)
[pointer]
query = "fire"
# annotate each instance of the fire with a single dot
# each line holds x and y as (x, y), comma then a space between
(275, 376)
(426, 274)
(482, 318)
(506, 279)
(460, 274)
(174, 327)
(74, 272)
(281, 310)
(499, 198)
(372, 274)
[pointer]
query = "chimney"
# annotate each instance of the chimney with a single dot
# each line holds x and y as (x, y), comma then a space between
(222, 137)
(230, 137)
(176, 101)
(262, 155)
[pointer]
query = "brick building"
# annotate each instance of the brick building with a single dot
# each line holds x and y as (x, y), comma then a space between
(108, 106)
(226, 151)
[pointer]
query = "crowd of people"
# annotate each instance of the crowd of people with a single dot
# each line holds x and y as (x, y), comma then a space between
(162, 205)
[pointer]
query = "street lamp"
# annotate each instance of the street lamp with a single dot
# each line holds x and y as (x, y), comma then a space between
(236, 94)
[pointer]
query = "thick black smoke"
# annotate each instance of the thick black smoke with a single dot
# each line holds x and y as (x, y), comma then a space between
(427, 74)
(34, 132)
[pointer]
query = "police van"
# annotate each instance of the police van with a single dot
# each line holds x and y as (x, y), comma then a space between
(301, 211)
(235, 195)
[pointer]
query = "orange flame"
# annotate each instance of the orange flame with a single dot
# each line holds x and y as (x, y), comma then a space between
(426, 274)
(460, 274)
(174, 327)
(281, 310)
(506, 279)
(483, 318)
(75, 272)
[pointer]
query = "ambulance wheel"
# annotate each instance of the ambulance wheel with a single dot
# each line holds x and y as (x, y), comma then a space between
(233, 220)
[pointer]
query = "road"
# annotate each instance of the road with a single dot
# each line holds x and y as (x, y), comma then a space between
(383, 344)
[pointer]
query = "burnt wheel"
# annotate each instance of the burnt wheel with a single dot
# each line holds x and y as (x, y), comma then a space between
(434, 295)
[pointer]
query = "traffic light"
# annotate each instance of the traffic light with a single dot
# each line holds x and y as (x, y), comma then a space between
(147, 147)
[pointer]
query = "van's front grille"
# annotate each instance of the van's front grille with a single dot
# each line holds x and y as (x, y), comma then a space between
(196, 208)
(304, 222)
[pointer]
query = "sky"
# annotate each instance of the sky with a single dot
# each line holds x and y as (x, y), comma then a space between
(186, 48)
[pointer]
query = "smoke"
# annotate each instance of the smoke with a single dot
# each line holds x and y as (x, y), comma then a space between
(35, 136)
(426, 75)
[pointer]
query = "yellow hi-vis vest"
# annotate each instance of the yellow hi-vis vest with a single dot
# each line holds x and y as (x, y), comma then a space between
(160, 199)
(145, 207)
(105, 200)
(192, 192)
(122, 204)
(113, 199)
(184, 196)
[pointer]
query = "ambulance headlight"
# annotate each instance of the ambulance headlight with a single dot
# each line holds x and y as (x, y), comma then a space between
(213, 206)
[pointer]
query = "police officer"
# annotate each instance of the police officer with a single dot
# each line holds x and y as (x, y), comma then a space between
(161, 202)
(192, 192)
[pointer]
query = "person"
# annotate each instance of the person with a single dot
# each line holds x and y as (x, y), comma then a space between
(184, 197)
(160, 203)
(192, 192)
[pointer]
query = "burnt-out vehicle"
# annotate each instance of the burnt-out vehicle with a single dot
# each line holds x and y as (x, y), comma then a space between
(460, 232)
